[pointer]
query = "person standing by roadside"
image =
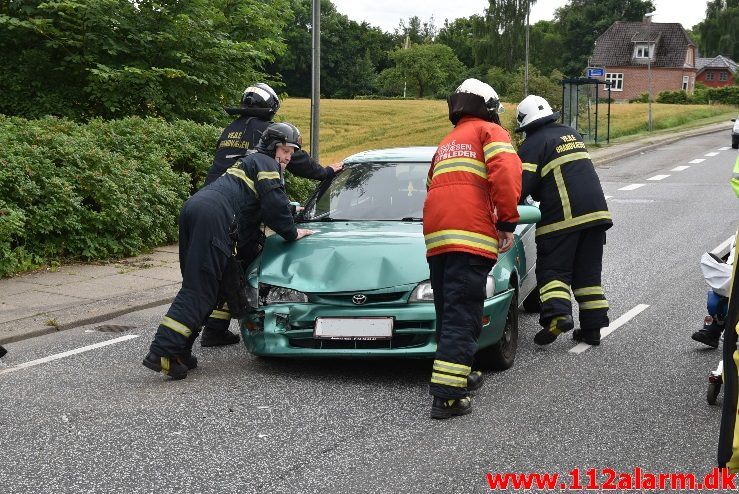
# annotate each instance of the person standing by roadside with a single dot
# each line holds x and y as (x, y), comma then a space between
(259, 104)
(558, 172)
(473, 185)
(252, 188)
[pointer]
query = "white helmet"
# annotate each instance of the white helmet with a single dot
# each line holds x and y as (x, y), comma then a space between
(474, 97)
(533, 109)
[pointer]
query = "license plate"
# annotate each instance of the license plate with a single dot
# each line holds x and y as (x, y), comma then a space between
(355, 328)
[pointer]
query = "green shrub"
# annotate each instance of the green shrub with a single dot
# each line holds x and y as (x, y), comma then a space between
(673, 97)
(642, 98)
(94, 191)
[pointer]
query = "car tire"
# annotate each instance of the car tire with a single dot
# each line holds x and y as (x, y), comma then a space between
(500, 356)
(532, 303)
(735, 142)
(712, 393)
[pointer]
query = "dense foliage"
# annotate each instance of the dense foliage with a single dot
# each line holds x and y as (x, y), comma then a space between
(97, 190)
(719, 32)
(113, 58)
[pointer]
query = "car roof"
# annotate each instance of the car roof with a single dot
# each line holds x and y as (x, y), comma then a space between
(411, 154)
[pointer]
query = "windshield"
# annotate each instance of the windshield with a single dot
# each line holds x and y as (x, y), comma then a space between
(372, 191)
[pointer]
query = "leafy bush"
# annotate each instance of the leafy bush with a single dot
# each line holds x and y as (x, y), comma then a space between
(673, 97)
(642, 98)
(94, 191)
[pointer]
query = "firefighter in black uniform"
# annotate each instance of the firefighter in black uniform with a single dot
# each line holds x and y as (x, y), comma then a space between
(558, 172)
(259, 104)
(249, 193)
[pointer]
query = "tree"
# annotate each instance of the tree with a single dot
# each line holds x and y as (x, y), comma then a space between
(459, 35)
(719, 31)
(114, 58)
(545, 46)
(415, 31)
(427, 69)
(580, 22)
(351, 53)
(500, 33)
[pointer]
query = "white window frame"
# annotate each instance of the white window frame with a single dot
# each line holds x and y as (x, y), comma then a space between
(723, 76)
(686, 82)
(616, 79)
(709, 75)
(644, 50)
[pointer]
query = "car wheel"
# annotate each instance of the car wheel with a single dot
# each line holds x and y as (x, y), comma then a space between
(712, 394)
(532, 302)
(735, 142)
(500, 355)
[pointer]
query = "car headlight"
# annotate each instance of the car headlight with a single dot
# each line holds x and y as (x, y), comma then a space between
(490, 287)
(422, 293)
(269, 294)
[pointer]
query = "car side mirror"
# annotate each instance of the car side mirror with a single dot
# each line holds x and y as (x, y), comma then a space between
(528, 215)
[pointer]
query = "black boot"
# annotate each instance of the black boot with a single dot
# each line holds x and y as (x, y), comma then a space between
(174, 367)
(710, 333)
(558, 325)
(589, 336)
(474, 381)
(215, 337)
(444, 408)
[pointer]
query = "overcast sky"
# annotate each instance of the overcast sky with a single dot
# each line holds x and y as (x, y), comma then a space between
(386, 14)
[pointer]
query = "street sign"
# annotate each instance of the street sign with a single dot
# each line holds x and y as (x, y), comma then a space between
(595, 72)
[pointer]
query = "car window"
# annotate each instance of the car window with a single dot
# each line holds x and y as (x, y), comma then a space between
(372, 191)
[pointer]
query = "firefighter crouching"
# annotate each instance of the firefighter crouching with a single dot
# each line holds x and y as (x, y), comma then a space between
(475, 173)
(558, 172)
(259, 104)
(252, 187)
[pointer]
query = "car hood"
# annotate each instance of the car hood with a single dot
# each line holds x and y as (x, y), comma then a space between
(347, 256)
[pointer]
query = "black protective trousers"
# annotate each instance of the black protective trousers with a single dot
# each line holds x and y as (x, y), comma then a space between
(572, 260)
(458, 280)
(205, 247)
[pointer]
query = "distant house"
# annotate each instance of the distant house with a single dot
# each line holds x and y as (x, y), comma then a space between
(716, 72)
(629, 51)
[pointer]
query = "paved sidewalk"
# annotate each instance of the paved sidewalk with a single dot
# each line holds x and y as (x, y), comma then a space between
(80, 294)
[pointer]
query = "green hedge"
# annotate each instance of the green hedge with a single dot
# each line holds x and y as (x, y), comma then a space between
(728, 95)
(99, 190)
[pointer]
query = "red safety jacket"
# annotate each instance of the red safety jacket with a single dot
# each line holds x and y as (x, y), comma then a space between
(474, 184)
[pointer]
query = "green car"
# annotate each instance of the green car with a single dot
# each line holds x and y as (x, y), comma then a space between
(359, 286)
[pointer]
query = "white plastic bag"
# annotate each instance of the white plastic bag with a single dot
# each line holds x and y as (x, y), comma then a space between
(717, 274)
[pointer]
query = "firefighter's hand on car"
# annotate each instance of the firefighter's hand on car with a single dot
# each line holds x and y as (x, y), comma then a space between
(505, 241)
(303, 232)
(337, 167)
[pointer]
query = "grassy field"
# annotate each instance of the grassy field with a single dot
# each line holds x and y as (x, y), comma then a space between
(349, 126)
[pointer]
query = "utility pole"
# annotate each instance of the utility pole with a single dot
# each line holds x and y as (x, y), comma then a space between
(648, 18)
(315, 98)
(526, 69)
(406, 45)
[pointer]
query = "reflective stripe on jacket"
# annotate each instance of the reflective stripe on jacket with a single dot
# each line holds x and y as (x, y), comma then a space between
(475, 173)
(558, 172)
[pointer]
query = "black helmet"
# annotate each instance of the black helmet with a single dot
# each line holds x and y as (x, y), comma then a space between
(279, 133)
(476, 98)
(258, 100)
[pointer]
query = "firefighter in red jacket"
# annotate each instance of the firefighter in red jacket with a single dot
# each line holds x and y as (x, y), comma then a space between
(558, 172)
(469, 216)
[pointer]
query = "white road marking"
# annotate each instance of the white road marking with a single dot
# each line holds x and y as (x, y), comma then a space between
(724, 148)
(680, 168)
(581, 347)
(58, 356)
(711, 154)
(632, 187)
(658, 177)
(696, 161)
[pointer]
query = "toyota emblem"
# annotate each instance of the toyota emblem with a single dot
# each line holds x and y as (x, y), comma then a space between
(359, 299)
